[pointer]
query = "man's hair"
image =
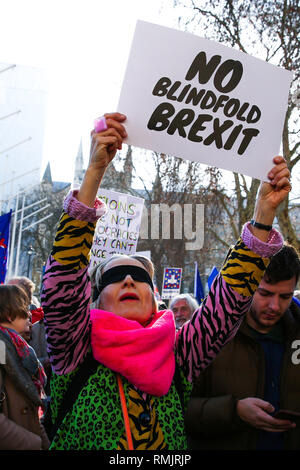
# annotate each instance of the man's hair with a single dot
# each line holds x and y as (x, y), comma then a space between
(13, 303)
(283, 266)
(192, 303)
(27, 285)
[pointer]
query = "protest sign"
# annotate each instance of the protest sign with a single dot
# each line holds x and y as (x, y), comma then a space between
(171, 283)
(118, 230)
(199, 100)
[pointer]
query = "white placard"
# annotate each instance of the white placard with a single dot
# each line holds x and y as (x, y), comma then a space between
(171, 283)
(118, 230)
(233, 119)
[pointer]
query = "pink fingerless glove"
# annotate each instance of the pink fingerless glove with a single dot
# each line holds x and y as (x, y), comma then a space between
(265, 250)
(80, 211)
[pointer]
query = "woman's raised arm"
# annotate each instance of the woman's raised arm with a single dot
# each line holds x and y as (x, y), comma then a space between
(230, 296)
(66, 285)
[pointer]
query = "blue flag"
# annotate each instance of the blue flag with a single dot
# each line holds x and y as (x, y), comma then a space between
(213, 274)
(198, 287)
(4, 240)
(297, 302)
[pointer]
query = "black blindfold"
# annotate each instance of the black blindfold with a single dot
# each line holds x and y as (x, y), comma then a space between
(118, 273)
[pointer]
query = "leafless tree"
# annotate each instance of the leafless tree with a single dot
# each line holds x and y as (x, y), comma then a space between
(176, 184)
(41, 235)
(268, 30)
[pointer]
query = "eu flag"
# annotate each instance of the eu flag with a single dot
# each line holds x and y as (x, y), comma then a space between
(4, 239)
(198, 287)
(213, 274)
(172, 279)
(297, 302)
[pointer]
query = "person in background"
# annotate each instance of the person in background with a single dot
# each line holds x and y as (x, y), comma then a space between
(39, 343)
(27, 285)
(234, 400)
(161, 305)
(34, 332)
(27, 333)
(296, 297)
(36, 311)
(22, 377)
(183, 307)
(297, 294)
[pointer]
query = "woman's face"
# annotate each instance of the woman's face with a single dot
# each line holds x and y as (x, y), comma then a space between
(20, 324)
(128, 298)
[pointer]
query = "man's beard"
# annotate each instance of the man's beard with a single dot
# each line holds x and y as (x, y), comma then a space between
(261, 325)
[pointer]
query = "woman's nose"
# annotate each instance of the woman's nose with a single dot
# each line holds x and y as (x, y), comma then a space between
(128, 280)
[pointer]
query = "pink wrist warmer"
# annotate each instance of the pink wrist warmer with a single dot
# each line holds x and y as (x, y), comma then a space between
(80, 211)
(265, 250)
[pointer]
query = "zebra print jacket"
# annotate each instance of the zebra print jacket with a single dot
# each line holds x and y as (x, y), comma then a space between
(66, 300)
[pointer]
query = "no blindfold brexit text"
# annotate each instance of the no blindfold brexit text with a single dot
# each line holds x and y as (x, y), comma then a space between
(189, 124)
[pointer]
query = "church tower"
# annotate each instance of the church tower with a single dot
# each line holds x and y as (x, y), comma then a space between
(127, 169)
(47, 178)
(79, 170)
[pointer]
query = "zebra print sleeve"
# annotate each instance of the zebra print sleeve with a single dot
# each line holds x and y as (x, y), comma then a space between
(219, 316)
(66, 294)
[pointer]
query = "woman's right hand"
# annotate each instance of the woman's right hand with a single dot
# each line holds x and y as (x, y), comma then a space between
(105, 144)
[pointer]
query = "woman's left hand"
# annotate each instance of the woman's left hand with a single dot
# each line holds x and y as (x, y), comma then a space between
(273, 193)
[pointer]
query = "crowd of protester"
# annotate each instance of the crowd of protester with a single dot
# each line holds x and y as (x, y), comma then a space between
(99, 366)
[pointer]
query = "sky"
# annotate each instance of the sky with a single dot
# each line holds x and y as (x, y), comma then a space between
(83, 47)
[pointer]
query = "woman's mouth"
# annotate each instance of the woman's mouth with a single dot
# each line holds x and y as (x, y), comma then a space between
(129, 297)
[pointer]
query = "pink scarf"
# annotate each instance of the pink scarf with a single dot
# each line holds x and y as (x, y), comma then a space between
(144, 355)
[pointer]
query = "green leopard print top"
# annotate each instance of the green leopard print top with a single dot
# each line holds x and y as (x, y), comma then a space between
(96, 421)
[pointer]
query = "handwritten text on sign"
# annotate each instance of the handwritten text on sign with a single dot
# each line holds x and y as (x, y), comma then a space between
(118, 230)
(197, 99)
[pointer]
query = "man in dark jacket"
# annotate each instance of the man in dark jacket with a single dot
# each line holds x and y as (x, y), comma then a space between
(256, 374)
